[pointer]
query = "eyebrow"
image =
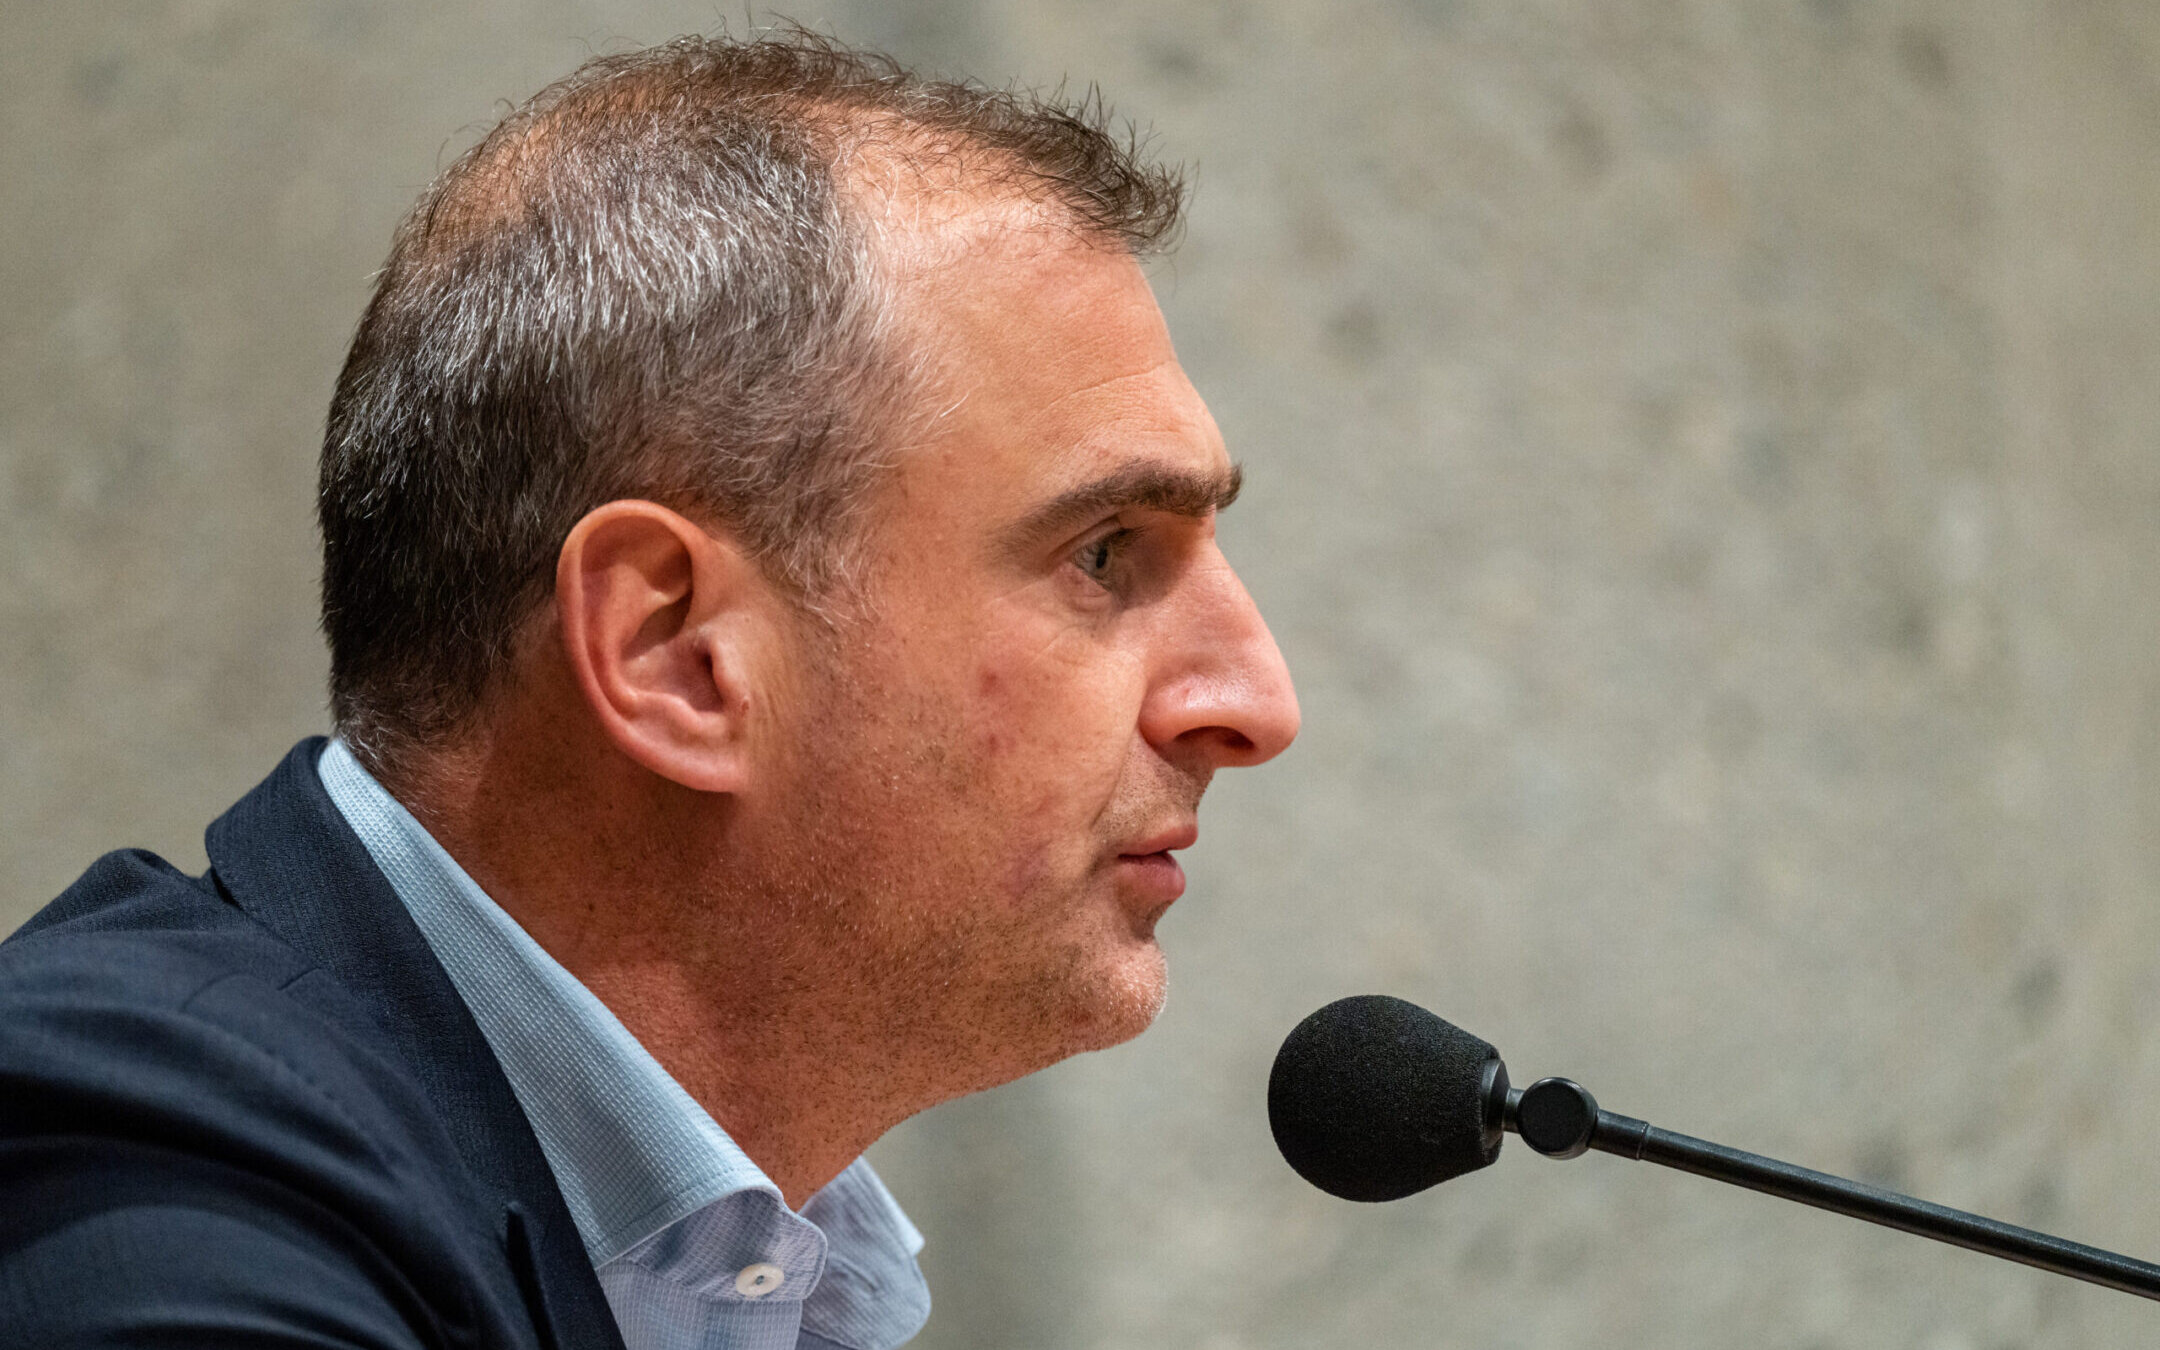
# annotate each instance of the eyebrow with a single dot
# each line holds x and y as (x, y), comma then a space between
(1147, 487)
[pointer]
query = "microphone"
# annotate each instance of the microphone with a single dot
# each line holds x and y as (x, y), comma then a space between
(1373, 1098)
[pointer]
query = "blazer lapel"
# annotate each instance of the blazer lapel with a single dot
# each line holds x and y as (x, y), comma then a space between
(289, 860)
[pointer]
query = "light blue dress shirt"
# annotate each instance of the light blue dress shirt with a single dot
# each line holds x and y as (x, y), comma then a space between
(693, 1244)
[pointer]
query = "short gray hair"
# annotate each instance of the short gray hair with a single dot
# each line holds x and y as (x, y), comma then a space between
(650, 280)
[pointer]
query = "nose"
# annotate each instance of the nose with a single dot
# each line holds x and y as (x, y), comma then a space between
(1222, 697)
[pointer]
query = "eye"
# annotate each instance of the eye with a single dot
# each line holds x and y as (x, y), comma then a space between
(1098, 558)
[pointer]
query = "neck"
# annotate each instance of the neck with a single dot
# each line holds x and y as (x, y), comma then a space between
(640, 889)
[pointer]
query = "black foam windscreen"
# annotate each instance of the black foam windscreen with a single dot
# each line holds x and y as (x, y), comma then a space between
(1373, 1098)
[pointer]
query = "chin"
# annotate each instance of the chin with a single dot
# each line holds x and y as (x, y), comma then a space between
(1083, 1006)
(1123, 1000)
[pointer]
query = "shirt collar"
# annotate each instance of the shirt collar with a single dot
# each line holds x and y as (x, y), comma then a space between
(632, 1152)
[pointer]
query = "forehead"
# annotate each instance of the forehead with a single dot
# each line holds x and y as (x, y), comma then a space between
(1049, 366)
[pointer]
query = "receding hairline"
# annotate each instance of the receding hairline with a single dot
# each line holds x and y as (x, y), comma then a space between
(884, 151)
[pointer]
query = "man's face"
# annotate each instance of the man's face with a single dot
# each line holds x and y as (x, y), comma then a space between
(1005, 752)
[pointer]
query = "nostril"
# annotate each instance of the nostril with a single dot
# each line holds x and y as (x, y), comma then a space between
(1228, 742)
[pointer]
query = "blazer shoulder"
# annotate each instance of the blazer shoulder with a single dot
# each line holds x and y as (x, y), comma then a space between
(153, 1036)
(143, 1003)
(127, 888)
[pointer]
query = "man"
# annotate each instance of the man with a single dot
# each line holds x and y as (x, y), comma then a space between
(778, 643)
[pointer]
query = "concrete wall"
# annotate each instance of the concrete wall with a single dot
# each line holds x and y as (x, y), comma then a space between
(1703, 475)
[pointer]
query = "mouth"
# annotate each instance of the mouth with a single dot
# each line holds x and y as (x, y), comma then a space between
(1150, 870)
(1164, 841)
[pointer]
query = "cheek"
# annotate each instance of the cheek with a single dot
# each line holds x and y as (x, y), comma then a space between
(1046, 742)
(1047, 730)
(992, 733)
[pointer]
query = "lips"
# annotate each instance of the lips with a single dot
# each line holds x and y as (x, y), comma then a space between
(1164, 841)
(1152, 877)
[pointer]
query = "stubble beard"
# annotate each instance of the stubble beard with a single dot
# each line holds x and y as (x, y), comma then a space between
(901, 879)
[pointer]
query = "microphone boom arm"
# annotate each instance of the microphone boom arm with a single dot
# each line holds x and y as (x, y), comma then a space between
(1559, 1118)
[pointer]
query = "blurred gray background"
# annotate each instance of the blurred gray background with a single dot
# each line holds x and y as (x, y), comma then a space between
(1703, 475)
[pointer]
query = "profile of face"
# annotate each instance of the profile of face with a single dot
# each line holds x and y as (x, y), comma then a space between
(995, 764)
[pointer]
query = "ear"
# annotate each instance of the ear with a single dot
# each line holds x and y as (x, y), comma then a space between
(672, 633)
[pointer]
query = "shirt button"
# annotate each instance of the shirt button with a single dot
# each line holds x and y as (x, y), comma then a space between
(759, 1280)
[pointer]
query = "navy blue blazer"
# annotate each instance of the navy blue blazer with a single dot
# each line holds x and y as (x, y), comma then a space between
(248, 1109)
